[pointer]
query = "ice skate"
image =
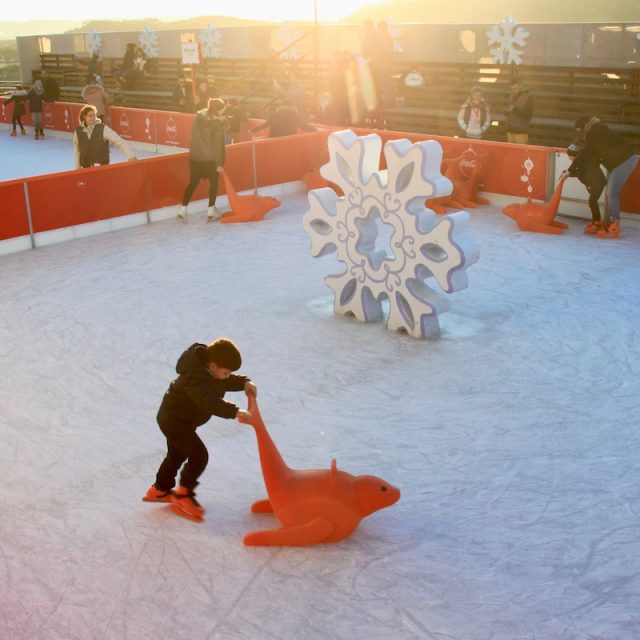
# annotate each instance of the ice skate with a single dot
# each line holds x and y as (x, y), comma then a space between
(612, 232)
(213, 214)
(157, 495)
(182, 214)
(184, 503)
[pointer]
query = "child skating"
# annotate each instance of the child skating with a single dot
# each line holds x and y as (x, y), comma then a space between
(197, 394)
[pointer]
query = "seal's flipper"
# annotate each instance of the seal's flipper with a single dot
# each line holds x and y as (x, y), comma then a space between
(262, 506)
(311, 532)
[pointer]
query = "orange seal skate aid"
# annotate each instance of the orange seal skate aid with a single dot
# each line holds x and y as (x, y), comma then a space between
(246, 208)
(313, 506)
(538, 217)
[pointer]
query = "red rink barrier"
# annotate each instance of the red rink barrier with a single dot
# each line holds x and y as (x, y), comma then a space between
(76, 197)
(14, 221)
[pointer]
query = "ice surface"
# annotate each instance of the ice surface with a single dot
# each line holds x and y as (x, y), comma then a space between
(22, 156)
(514, 439)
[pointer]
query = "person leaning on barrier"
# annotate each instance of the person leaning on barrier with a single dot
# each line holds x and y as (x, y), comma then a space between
(91, 140)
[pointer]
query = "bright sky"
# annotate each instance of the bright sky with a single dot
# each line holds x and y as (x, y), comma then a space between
(125, 9)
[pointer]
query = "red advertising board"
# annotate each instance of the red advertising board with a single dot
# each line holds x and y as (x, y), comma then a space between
(173, 129)
(133, 124)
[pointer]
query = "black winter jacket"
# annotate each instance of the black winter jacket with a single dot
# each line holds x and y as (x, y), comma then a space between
(195, 395)
(607, 145)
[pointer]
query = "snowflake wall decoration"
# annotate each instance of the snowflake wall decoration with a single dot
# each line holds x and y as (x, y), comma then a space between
(211, 39)
(507, 35)
(285, 36)
(149, 42)
(396, 35)
(94, 42)
(392, 246)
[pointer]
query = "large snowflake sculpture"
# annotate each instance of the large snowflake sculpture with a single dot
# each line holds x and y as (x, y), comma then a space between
(392, 246)
(211, 39)
(285, 36)
(149, 42)
(94, 42)
(507, 35)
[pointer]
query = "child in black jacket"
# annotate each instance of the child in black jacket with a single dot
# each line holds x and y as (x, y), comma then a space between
(204, 375)
(586, 168)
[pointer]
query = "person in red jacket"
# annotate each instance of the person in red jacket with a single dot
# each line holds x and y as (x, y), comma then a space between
(197, 394)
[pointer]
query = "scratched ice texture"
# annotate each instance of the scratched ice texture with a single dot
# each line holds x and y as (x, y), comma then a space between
(514, 438)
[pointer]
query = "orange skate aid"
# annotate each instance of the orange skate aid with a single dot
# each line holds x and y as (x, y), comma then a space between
(313, 506)
(538, 217)
(246, 208)
(465, 186)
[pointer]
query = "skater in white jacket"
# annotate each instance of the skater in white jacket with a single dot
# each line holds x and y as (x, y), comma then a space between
(91, 140)
(474, 117)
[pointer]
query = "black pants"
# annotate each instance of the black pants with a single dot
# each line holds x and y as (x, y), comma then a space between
(17, 119)
(181, 447)
(201, 171)
(595, 181)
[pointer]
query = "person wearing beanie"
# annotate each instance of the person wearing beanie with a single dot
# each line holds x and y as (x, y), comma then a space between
(206, 156)
(617, 156)
(205, 374)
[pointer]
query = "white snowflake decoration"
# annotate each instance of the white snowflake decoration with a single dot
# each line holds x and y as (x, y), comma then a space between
(211, 39)
(94, 42)
(285, 36)
(149, 42)
(393, 247)
(396, 35)
(507, 35)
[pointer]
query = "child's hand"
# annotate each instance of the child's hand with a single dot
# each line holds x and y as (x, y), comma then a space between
(243, 416)
(250, 388)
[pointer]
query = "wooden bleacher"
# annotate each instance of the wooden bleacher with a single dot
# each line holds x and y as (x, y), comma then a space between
(561, 94)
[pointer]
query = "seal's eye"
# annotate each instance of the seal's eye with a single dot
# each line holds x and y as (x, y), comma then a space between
(383, 488)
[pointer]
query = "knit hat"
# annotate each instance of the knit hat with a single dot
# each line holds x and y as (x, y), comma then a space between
(225, 354)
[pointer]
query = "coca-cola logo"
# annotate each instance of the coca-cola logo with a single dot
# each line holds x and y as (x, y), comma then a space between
(467, 163)
(124, 123)
(172, 128)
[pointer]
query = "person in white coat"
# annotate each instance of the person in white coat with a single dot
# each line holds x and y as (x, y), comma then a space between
(474, 117)
(91, 140)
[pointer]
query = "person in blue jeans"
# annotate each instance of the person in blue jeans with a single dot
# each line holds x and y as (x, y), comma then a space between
(619, 159)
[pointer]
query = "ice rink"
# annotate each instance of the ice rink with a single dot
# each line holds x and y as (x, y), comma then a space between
(514, 439)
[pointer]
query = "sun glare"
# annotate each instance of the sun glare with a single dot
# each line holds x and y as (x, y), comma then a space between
(276, 10)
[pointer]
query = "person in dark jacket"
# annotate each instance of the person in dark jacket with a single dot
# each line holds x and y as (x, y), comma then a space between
(18, 97)
(51, 87)
(197, 394)
(284, 121)
(36, 98)
(206, 156)
(586, 167)
(619, 159)
(519, 113)
(182, 96)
